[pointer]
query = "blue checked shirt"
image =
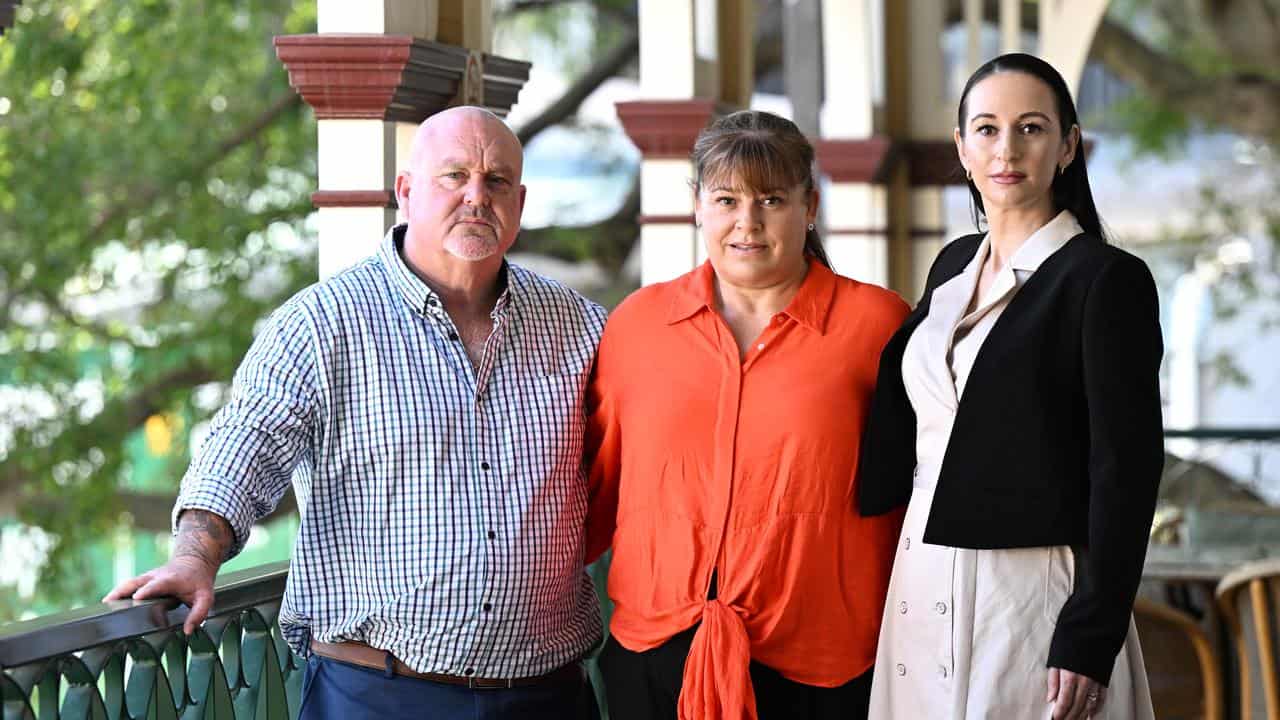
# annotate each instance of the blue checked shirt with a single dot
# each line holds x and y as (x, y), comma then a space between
(442, 507)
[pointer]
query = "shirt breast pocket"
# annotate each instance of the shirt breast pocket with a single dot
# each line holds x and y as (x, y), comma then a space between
(553, 437)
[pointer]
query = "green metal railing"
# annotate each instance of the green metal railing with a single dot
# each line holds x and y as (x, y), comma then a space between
(130, 659)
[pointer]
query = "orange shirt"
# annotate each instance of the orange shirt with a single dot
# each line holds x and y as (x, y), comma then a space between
(704, 461)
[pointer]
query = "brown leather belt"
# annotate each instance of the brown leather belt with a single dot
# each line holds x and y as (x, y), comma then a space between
(357, 653)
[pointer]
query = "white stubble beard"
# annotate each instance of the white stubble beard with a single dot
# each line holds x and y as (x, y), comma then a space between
(472, 247)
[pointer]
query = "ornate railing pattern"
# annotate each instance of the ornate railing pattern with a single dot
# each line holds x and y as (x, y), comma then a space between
(130, 659)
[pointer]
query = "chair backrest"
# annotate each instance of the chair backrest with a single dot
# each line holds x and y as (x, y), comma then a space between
(1182, 668)
(1248, 597)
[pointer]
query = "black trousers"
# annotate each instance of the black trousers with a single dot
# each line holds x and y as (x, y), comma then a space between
(645, 685)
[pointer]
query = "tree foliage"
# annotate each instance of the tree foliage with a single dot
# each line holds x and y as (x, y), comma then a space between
(155, 172)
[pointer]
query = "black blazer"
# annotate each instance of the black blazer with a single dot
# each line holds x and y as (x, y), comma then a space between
(1057, 438)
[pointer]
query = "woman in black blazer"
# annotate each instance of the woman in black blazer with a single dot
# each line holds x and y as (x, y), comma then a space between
(1017, 415)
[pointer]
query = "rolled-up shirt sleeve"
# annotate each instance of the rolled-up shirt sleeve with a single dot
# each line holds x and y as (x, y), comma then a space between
(244, 466)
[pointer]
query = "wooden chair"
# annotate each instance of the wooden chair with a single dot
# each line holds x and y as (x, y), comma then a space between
(1248, 597)
(1182, 668)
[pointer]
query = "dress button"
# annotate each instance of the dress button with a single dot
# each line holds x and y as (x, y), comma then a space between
(902, 607)
(942, 608)
(902, 669)
(942, 671)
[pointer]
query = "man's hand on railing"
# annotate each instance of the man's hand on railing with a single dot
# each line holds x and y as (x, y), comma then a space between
(203, 541)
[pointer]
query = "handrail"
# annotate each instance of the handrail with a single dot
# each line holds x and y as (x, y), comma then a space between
(48, 636)
(1224, 433)
(131, 658)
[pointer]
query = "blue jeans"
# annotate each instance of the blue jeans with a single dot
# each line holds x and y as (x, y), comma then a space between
(333, 690)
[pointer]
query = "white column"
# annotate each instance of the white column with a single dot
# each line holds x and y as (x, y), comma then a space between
(1066, 34)
(854, 212)
(410, 17)
(671, 69)
(1192, 304)
(667, 49)
(931, 118)
(1010, 26)
(668, 248)
(857, 243)
(851, 67)
(973, 35)
(927, 214)
(357, 156)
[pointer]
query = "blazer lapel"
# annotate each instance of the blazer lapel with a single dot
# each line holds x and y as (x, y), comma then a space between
(999, 340)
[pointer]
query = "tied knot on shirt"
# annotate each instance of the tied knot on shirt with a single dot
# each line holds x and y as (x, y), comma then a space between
(717, 673)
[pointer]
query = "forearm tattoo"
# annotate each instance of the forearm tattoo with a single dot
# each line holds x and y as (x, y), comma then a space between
(203, 536)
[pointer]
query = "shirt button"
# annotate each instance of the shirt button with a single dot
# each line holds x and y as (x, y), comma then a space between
(902, 669)
(484, 466)
(453, 335)
(492, 534)
(487, 607)
(431, 302)
(906, 544)
(760, 346)
(471, 671)
(942, 608)
(902, 607)
(778, 318)
(942, 671)
(915, 472)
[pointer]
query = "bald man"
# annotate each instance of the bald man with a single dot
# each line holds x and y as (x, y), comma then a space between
(427, 405)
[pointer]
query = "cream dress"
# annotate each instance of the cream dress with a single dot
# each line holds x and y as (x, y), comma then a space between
(966, 632)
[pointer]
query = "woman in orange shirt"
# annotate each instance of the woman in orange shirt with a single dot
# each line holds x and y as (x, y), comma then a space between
(725, 416)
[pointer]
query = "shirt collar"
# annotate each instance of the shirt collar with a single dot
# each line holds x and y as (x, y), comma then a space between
(417, 293)
(1045, 242)
(696, 291)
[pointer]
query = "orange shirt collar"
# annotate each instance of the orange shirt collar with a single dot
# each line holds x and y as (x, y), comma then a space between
(696, 291)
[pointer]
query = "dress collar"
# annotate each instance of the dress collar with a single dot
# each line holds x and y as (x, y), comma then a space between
(1046, 241)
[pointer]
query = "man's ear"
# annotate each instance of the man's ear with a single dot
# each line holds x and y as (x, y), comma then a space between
(403, 181)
